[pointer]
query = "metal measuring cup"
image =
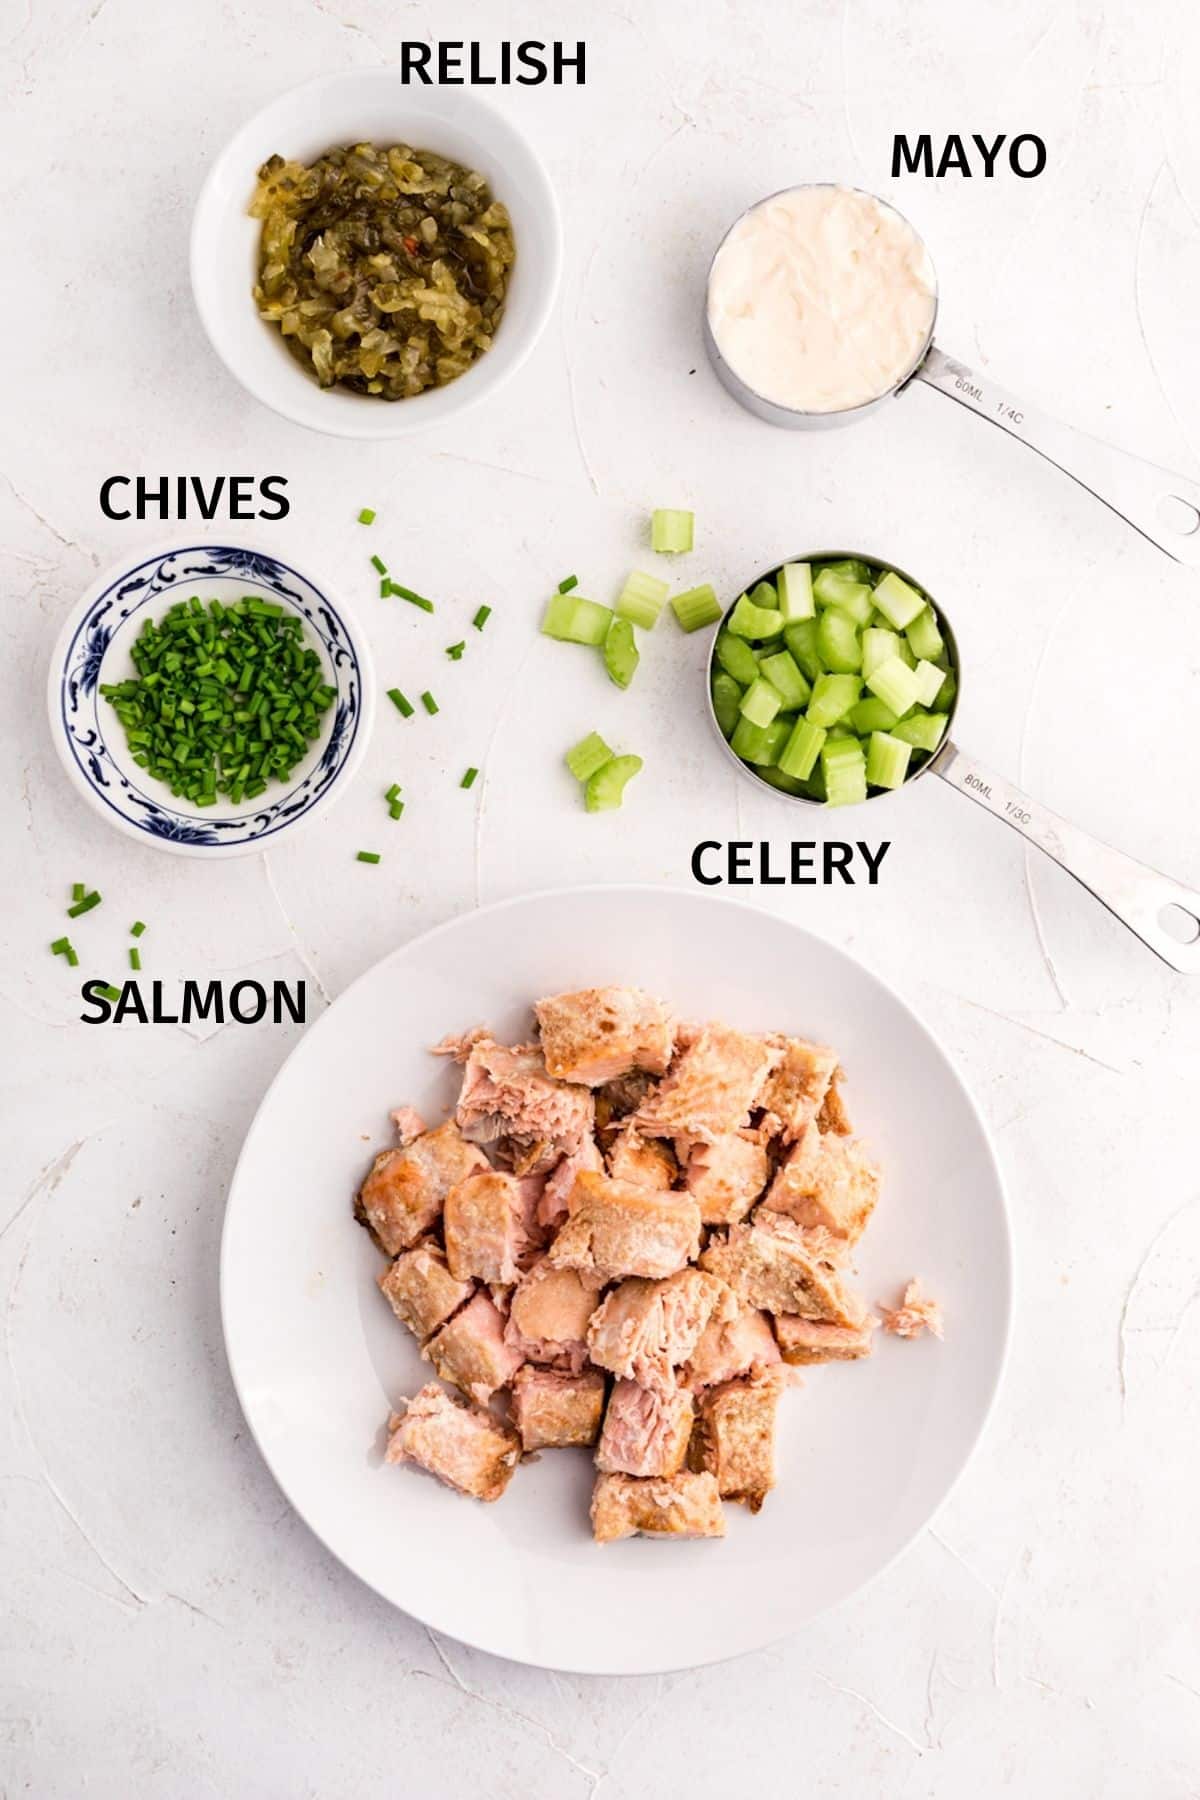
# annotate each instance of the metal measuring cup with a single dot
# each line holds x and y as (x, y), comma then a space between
(1144, 900)
(1163, 506)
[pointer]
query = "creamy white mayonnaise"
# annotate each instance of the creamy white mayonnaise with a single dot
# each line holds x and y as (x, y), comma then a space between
(821, 298)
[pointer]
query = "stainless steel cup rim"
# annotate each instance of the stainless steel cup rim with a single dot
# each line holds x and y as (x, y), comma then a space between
(845, 414)
(821, 556)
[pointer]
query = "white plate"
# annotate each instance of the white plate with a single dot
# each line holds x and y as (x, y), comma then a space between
(867, 1452)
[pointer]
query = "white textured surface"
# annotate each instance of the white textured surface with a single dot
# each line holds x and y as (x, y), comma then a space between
(168, 1629)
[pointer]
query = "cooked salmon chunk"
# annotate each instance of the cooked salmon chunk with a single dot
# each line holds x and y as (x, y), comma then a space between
(683, 1505)
(560, 1183)
(552, 1410)
(483, 1225)
(826, 1180)
(795, 1090)
(646, 1430)
(649, 1162)
(816, 1340)
(916, 1313)
(409, 1125)
(421, 1291)
(617, 1229)
(737, 1438)
(645, 1329)
(507, 1098)
(726, 1176)
(598, 1034)
(833, 1115)
(406, 1189)
(729, 1347)
(549, 1313)
(471, 1351)
(774, 1264)
(710, 1088)
(462, 1445)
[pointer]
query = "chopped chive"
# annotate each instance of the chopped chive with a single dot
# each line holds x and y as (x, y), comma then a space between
(403, 706)
(565, 586)
(404, 593)
(468, 779)
(379, 566)
(84, 905)
(135, 957)
(393, 792)
(72, 959)
(481, 617)
(454, 651)
(385, 588)
(109, 992)
(137, 928)
(368, 856)
(78, 891)
(60, 946)
(428, 702)
(395, 808)
(366, 516)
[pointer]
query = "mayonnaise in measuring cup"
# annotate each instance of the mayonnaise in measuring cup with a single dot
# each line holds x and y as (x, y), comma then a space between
(821, 298)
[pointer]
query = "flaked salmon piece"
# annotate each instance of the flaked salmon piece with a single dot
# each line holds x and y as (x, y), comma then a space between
(406, 1188)
(470, 1350)
(646, 1430)
(833, 1115)
(598, 1034)
(421, 1291)
(483, 1227)
(804, 1341)
(737, 1437)
(549, 1314)
(460, 1044)
(826, 1180)
(644, 1329)
(551, 1410)
(916, 1313)
(683, 1505)
(462, 1445)
(711, 1088)
(616, 1099)
(508, 1097)
(617, 1229)
(409, 1124)
(726, 1176)
(743, 1344)
(794, 1092)
(775, 1264)
(556, 1195)
(649, 1162)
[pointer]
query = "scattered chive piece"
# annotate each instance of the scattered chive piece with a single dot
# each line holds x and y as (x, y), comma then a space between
(404, 593)
(468, 779)
(588, 755)
(60, 946)
(385, 588)
(84, 905)
(671, 530)
(571, 581)
(135, 957)
(78, 891)
(395, 808)
(455, 651)
(696, 608)
(393, 792)
(368, 856)
(137, 928)
(72, 959)
(428, 702)
(481, 617)
(403, 707)
(379, 566)
(109, 992)
(366, 516)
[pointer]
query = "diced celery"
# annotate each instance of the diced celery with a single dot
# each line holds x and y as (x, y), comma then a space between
(750, 621)
(763, 594)
(838, 643)
(781, 671)
(895, 684)
(588, 755)
(852, 567)
(870, 715)
(760, 702)
(696, 607)
(924, 638)
(620, 652)
(877, 647)
(575, 620)
(794, 582)
(850, 597)
(800, 753)
(887, 760)
(898, 602)
(671, 530)
(905, 653)
(778, 779)
(922, 730)
(929, 682)
(801, 641)
(748, 740)
(774, 738)
(727, 701)
(832, 698)
(606, 788)
(845, 769)
(641, 599)
(949, 689)
(736, 658)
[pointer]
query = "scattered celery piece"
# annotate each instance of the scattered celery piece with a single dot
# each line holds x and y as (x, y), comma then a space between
(838, 643)
(671, 531)
(802, 749)
(747, 620)
(895, 684)
(845, 770)
(781, 671)
(832, 698)
(794, 583)
(736, 658)
(574, 620)
(898, 602)
(696, 607)
(620, 652)
(924, 639)
(641, 599)
(606, 788)
(922, 730)
(727, 701)
(887, 760)
(588, 755)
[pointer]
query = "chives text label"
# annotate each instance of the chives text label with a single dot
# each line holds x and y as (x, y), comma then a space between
(209, 1002)
(191, 497)
(743, 863)
(1026, 155)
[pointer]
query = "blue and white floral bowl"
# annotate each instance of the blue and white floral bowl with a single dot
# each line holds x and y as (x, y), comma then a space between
(94, 648)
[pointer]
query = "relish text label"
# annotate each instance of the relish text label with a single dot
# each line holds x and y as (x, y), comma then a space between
(527, 64)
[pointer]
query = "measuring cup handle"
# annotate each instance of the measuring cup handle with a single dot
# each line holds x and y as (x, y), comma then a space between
(1134, 893)
(1163, 506)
